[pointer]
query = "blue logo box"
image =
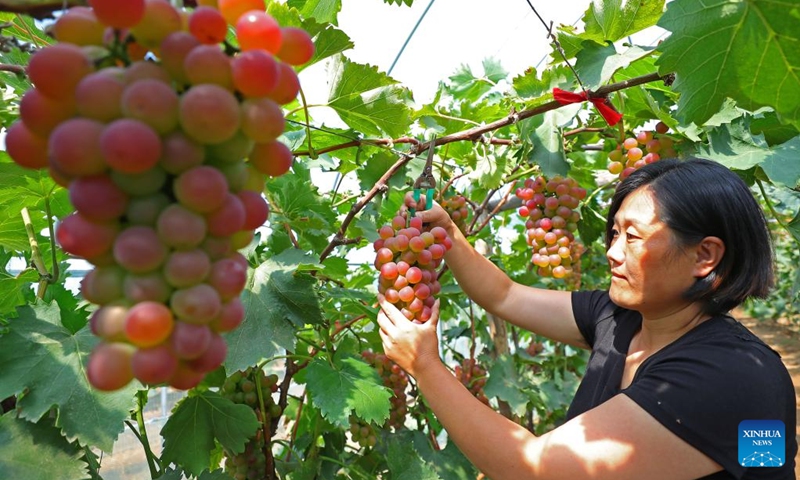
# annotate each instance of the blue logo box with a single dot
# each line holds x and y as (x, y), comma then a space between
(762, 443)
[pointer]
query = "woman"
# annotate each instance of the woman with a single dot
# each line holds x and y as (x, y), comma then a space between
(671, 374)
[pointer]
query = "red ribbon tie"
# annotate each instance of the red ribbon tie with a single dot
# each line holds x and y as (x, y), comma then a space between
(602, 104)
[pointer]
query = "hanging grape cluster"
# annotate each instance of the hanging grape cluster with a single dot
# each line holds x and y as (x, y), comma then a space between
(407, 258)
(165, 160)
(549, 209)
(363, 433)
(395, 379)
(645, 148)
(456, 206)
(241, 388)
(473, 376)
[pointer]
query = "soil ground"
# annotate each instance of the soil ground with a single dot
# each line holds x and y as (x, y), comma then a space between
(786, 340)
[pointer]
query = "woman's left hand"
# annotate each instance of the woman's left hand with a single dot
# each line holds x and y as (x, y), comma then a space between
(411, 345)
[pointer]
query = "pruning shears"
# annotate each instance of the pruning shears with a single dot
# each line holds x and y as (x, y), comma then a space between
(425, 181)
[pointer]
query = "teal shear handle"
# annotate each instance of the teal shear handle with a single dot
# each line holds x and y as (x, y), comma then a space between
(425, 182)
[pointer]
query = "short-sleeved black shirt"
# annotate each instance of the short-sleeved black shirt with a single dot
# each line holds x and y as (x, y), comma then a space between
(701, 386)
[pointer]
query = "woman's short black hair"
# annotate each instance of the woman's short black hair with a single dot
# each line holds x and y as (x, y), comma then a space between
(697, 198)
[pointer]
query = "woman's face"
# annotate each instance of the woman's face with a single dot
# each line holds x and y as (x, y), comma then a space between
(649, 272)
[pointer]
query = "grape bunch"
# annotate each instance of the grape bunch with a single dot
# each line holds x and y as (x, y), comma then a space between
(645, 148)
(241, 387)
(456, 207)
(407, 258)
(551, 218)
(473, 376)
(363, 433)
(394, 378)
(165, 161)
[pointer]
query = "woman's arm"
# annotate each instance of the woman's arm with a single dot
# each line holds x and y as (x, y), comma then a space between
(617, 440)
(545, 312)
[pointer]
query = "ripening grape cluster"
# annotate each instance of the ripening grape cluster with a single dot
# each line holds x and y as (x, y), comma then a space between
(456, 207)
(395, 379)
(407, 258)
(645, 148)
(241, 387)
(473, 376)
(363, 433)
(549, 207)
(165, 162)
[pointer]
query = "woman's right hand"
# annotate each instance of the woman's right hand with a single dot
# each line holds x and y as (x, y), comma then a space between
(435, 216)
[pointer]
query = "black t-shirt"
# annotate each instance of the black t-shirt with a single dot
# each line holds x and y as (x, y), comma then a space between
(701, 386)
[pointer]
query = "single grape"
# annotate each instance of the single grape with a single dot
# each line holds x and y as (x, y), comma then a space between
(109, 366)
(148, 324)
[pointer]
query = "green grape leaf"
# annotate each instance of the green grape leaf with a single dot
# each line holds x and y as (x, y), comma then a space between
(323, 11)
(546, 136)
(349, 386)
(449, 463)
(37, 451)
(368, 100)
(609, 21)
(405, 462)
(746, 50)
(782, 166)
(794, 227)
(40, 357)
(775, 132)
(278, 299)
(12, 290)
(596, 64)
(299, 205)
(24, 188)
(197, 422)
(735, 146)
(612, 20)
(399, 2)
(504, 383)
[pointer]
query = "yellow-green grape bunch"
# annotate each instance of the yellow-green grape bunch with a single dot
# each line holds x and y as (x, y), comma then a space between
(241, 388)
(407, 258)
(551, 218)
(456, 207)
(363, 433)
(395, 379)
(645, 148)
(165, 160)
(473, 376)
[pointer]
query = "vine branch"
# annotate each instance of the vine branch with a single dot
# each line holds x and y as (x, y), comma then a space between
(473, 134)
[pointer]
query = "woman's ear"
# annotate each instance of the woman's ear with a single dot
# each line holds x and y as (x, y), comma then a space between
(709, 253)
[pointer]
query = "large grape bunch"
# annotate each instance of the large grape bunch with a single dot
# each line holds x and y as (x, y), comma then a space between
(165, 160)
(251, 387)
(551, 218)
(407, 258)
(473, 376)
(456, 206)
(645, 148)
(395, 379)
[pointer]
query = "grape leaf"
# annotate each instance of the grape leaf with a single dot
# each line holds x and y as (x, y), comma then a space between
(505, 384)
(37, 451)
(200, 420)
(746, 50)
(794, 227)
(596, 64)
(547, 139)
(449, 463)
(348, 386)
(12, 288)
(405, 463)
(609, 21)
(399, 2)
(276, 298)
(367, 100)
(735, 146)
(42, 358)
(324, 11)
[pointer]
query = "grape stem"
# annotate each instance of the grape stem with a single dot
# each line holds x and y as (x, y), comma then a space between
(36, 255)
(269, 465)
(141, 433)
